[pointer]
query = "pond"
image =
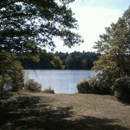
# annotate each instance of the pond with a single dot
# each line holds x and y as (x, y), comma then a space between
(62, 81)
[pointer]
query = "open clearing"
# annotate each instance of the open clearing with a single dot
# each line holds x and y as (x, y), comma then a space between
(40, 111)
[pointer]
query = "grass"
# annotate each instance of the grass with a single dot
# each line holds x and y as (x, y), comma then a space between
(40, 111)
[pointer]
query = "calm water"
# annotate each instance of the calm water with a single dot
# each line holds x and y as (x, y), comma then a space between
(62, 81)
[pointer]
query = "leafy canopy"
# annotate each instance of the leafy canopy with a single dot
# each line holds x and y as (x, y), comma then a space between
(115, 48)
(26, 26)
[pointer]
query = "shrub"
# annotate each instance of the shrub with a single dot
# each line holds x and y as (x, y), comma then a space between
(48, 90)
(32, 85)
(95, 86)
(102, 88)
(84, 87)
(101, 84)
(121, 88)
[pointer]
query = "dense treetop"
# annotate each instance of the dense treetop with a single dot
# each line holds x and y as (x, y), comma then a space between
(27, 25)
(74, 60)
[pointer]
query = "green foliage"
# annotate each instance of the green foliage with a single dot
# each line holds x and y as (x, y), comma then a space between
(12, 77)
(114, 46)
(78, 60)
(84, 87)
(96, 85)
(28, 26)
(5, 83)
(114, 62)
(121, 88)
(57, 62)
(49, 90)
(100, 87)
(60, 60)
(32, 86)
(17, 76)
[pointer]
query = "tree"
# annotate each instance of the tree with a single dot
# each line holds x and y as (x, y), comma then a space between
(115, 48)
(26, 26)
(114, 62)
(57, 62)
(70, 63)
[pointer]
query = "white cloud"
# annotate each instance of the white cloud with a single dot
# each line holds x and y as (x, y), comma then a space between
(92, 21)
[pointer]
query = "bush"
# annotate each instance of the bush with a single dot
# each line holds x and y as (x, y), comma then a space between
(101, 84)
(32, 85)
(84, 87)
(100, 87)
(121, 88)
(48, 90)
(96, 85)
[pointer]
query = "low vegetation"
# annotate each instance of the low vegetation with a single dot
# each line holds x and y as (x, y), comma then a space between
(32, 86)
(99, 85)
(49, 90)
(95, 85)
(121, 88)
(84, 87)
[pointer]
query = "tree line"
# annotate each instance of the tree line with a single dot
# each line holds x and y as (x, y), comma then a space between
(74, 60)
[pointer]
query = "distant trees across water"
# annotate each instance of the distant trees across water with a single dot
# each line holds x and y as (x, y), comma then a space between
(74, 60)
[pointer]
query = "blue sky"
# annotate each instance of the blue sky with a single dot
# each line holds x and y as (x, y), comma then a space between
(115, 4)
(93, 16)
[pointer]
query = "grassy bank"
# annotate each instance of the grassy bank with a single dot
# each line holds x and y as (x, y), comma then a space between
(38, 111)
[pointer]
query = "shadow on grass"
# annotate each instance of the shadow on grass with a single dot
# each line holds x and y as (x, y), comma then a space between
(25, 114)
